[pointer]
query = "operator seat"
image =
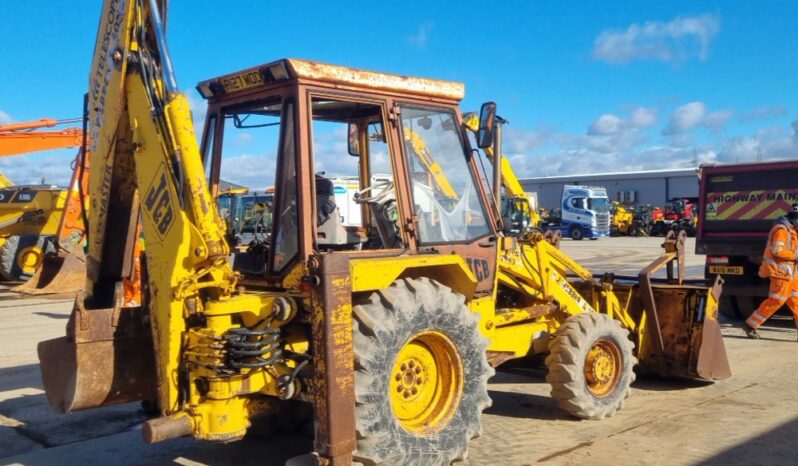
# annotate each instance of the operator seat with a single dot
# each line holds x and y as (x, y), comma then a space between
(330, 230)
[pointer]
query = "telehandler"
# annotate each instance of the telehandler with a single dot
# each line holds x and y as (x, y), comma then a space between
(390, 329)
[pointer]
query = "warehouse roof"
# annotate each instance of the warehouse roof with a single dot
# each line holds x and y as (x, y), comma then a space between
(613, 176)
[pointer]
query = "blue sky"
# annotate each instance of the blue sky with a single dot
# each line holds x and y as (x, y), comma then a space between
(588, 87)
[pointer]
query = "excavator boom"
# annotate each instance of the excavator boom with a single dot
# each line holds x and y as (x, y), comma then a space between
(22, 138)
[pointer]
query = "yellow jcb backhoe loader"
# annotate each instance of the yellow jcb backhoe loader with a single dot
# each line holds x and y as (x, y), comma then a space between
(389, 329)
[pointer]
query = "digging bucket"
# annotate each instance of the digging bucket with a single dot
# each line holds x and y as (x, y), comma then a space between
(64, 272)
(105, 358)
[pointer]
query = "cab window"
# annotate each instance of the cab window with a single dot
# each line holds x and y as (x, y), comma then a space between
(445, 195)
(356, 205)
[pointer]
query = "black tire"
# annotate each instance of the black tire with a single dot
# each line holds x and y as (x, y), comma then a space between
(568, 356)
(9, 267)
(593, 239)
(726, 307)
(383, 324)
(743, 306)
(576, 234)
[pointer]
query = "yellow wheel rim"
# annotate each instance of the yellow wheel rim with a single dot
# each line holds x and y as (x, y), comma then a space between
(426, 383)
(603, 365)
(29, 259)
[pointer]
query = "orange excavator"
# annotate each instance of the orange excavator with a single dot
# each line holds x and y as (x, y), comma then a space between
(31, 215)
(58, 264)
(22, 138)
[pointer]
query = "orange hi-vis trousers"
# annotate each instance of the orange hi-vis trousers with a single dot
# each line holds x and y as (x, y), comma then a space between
(782, 290)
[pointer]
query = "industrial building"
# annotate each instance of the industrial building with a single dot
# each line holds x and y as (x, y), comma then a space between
(643, 187)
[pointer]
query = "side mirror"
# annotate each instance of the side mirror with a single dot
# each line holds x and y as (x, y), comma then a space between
(354, 140)
(487, 119)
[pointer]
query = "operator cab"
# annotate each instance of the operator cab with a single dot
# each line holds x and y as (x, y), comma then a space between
(362, 163)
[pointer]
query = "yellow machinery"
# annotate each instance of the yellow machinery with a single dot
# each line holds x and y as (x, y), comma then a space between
(518, 208)
(30, 213)
(389, 329)
(622, 220)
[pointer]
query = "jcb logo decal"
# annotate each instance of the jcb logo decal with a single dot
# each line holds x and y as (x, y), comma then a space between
(158, 203)
(479, 267)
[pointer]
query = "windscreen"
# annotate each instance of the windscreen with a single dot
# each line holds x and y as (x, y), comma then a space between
(598, 204)
(447, 202)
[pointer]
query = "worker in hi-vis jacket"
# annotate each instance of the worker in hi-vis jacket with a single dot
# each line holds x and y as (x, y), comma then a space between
(778, 264)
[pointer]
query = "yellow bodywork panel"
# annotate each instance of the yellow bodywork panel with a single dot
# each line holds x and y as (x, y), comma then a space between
(378, 273)
(31, 211)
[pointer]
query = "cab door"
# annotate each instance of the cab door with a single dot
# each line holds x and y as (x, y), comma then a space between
(449, 208)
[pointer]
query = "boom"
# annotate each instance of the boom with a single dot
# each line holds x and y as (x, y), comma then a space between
(21, 138)
(146, 164)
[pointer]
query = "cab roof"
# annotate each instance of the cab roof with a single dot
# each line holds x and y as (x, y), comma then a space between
(289, 69)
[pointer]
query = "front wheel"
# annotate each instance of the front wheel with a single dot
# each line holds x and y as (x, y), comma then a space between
(591, 364)
(421, 375)
(577, 234)
(22, 255)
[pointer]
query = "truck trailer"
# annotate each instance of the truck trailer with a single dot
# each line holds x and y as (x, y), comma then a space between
(738, 204)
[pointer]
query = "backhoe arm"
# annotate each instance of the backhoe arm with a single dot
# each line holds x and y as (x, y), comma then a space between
(434, 169)
(146, 168)
(509, 179)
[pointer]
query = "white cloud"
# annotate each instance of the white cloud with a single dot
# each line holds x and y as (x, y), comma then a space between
(716, 122)
(420, 38)
(763, 113)
(605, 125)
(609, 124)
(642, 117)
(685, 118)
(693, 115)
(51, 166)
(615, 143)
(675, 41)
(525, 141)
(198, 107)
(5, 118)
(250, 170)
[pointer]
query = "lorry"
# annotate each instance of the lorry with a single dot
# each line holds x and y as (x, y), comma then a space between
(737, 205)
(389, 329)
(584, 213)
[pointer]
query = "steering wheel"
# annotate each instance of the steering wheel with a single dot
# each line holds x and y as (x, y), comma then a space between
(379, 192)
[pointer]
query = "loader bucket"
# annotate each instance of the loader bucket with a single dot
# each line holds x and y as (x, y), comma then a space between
(691, 341)
(105, 358)
(676, 327)
(59, 273)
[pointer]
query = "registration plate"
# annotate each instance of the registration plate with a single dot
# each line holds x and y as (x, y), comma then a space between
(725, 270)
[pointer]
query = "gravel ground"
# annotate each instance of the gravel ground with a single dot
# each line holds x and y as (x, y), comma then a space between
(751, 418)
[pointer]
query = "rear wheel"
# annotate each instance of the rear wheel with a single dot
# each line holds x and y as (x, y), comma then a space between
(577, 234)
(22, 255)
(744, 305)
(591, 364)
(421, 375)
(726, 307)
